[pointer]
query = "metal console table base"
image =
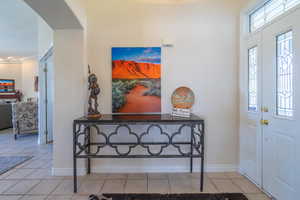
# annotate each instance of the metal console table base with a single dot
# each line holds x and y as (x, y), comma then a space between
(84, 147)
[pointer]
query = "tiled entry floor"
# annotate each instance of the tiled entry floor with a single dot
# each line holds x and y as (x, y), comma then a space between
(33, 181)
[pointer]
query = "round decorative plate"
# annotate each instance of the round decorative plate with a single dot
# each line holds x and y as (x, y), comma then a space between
(183, 97)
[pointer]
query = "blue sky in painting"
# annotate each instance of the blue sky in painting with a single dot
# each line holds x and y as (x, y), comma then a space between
(137, 54)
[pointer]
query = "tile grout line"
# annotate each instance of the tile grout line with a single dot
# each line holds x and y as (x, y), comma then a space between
(213, 183)
(169, 185)
(147, 183)
(125, 184)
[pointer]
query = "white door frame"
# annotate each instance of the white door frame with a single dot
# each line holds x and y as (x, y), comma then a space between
(43, 99)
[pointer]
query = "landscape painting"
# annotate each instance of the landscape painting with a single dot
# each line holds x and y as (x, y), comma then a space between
(136, 84)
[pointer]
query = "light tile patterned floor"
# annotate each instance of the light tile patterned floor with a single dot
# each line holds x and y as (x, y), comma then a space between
(33, 181)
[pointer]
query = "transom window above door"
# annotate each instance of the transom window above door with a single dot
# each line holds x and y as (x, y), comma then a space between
(269, 11)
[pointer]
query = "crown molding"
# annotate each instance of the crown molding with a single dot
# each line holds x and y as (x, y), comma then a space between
(10, 62)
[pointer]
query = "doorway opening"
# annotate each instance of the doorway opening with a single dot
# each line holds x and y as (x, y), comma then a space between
(22, 130)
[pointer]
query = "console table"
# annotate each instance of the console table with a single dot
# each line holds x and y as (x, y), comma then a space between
(191, 147)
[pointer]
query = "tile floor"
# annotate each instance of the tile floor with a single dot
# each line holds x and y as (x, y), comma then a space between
(33, 181)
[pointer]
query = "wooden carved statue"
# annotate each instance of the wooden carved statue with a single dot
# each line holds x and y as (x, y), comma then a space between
(93, 98)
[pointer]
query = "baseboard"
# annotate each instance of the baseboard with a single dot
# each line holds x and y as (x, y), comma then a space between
(149, 169)
(241, 170)
(163, 169)
(67, 171)
(221, 168)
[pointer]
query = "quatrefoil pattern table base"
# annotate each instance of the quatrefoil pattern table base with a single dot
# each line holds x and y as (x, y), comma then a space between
(92, 139)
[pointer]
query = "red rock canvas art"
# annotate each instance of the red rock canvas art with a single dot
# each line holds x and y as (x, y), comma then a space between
(136, 80)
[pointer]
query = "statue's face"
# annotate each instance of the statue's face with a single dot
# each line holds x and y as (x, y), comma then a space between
(93, 78)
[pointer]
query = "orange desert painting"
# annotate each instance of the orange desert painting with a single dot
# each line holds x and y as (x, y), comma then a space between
(136, 84)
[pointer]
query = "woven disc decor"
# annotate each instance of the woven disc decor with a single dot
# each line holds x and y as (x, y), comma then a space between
(183, 97)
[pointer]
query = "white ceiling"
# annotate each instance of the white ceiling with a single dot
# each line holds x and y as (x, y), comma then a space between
(18, 29)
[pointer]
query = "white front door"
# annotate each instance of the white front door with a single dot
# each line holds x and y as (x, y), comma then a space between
(281, 100)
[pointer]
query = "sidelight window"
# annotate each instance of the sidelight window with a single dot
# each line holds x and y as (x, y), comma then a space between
(285, 72)
(252, 79)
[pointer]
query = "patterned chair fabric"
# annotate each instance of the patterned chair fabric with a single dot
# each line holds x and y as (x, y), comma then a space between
(25, 117)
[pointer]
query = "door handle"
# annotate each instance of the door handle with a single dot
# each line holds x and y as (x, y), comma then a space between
(264, 122)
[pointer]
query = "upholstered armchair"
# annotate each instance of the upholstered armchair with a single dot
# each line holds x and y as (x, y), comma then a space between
(24, 118)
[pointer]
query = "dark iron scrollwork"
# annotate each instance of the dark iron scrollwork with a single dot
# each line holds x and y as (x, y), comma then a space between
(178, 146)
(86, 132)
(81, 143)
(100, 145)
(147, 145)
(115, 145)
(197, 138)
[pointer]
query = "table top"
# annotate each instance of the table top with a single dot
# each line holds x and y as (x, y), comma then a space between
(135, 118)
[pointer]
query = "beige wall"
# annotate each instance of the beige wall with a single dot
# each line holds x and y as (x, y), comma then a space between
(12, 71)
(204, 57)
(69, 95)
(29, 71)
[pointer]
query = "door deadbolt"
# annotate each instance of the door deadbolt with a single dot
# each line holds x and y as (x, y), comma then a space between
(264, 109)
(264, 122)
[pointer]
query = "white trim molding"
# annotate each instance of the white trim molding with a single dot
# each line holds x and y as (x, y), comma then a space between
(10, 62)
(68, 171)
(221, 168)
(150, 169)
